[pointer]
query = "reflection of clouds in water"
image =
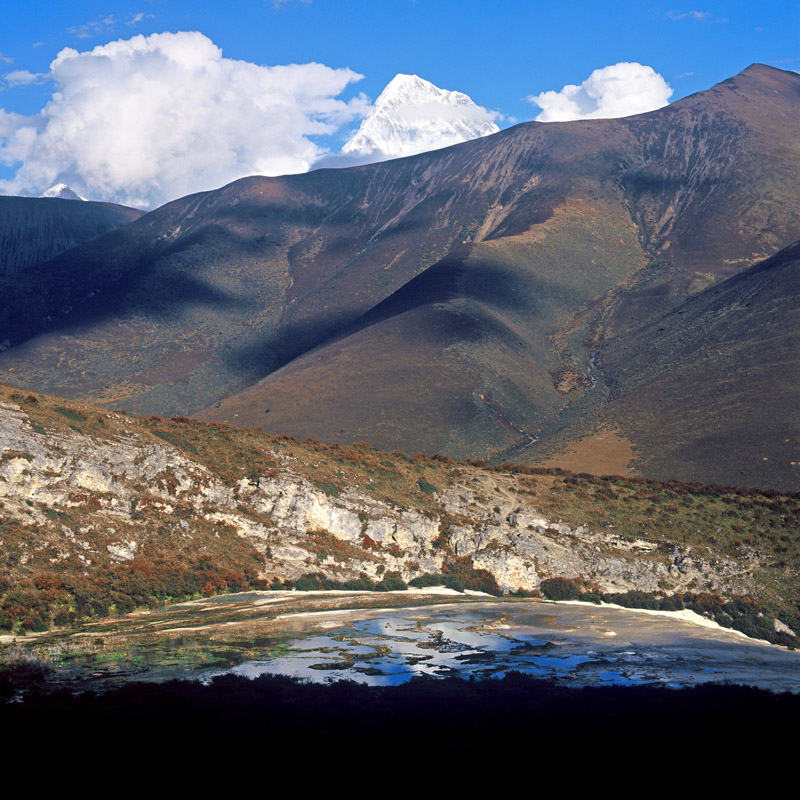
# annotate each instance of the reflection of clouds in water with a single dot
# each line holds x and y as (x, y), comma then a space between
(458, 633)
(618, 679)
(395, 646)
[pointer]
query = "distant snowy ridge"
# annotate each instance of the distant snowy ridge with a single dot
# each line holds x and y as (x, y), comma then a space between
(63, 192)
(412, 116)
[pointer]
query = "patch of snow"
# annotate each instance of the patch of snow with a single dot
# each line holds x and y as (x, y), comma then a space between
(62, 192)
(413, 116)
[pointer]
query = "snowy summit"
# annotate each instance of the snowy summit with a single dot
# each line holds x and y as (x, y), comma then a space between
(412, 116)
(62, 192)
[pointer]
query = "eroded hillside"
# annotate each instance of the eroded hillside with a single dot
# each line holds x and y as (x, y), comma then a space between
(104, 512)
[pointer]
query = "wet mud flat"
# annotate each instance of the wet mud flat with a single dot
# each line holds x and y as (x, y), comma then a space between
(391, 638)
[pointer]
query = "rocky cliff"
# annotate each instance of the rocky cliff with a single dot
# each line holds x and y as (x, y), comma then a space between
(98, 507)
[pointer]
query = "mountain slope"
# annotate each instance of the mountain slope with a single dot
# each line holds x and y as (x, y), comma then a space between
(727, 364)
(710, 389)
(447, 301)
(35, 230)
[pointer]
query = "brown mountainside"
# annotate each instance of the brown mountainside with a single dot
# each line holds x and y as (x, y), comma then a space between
(714, 386)
(449, 301)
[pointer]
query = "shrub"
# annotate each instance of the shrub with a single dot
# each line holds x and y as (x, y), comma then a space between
(460, 574)
(392, 582)
(426, 487)
(637, 599)
(75, 416)
(560, 588)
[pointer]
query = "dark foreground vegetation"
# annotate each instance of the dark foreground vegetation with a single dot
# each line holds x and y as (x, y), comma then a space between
(434, 733)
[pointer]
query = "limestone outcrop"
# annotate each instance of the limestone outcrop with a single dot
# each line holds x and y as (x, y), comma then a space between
(99, 499)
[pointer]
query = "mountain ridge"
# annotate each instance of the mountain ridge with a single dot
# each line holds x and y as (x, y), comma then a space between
(543, 243)
(35, 230)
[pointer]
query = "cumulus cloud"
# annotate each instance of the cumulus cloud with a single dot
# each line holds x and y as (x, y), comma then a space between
(17, 134)
(618, 90)
(148, 119)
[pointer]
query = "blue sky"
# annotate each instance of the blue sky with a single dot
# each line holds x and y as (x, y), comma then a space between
(498, 53)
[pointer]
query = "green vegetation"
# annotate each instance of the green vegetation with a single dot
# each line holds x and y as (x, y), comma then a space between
(561, 588)
(426, 486)
(460, 574)
(316, 581)
(69, 413)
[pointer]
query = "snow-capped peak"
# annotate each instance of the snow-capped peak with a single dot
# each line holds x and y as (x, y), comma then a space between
(63, 192)
(411, 115)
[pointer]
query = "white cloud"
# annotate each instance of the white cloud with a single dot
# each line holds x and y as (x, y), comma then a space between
(17, 134)
(618, 90)
(22, 77)
(697, 16)
(148, 119)
(140, 16)
(94, 28)
(4, 59)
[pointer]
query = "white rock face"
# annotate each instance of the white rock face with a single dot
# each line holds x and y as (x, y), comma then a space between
(126, 485)
(412, 116)
(62, 192)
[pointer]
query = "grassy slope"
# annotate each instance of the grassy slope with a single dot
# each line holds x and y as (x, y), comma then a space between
(710, 388)
(38, 591)
(463, 359)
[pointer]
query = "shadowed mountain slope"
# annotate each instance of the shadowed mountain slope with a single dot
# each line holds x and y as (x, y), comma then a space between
(713, 387)
(448, 301)
(710, 389)
(34, 230)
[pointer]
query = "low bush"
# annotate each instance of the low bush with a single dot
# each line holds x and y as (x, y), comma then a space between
(561, 588)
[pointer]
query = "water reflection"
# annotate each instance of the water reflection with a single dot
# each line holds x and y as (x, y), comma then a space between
(582, 645)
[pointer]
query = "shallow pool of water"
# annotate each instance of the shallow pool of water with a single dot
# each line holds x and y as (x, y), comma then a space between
(577, 644)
